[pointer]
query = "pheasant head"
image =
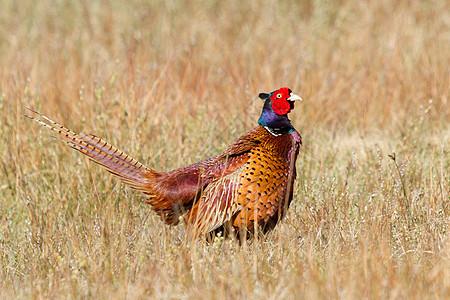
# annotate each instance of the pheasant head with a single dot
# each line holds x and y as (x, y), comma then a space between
(276, 107)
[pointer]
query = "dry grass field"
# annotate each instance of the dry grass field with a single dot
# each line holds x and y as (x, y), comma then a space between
(173, 82)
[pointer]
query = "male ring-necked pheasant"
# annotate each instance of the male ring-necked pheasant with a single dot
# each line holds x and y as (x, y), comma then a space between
(246, 188)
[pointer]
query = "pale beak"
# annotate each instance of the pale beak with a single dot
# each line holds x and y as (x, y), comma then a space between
(294, 97)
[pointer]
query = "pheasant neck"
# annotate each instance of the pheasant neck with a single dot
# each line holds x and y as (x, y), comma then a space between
(274, 123)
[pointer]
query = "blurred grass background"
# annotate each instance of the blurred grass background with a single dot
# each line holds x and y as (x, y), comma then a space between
(173, 82)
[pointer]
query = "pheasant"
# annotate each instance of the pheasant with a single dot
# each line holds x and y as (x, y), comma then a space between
(245, 190)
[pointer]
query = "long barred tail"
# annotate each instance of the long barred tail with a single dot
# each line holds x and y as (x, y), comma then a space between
(129, 170)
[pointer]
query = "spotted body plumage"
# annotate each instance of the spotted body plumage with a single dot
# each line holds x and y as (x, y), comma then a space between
(245, 189)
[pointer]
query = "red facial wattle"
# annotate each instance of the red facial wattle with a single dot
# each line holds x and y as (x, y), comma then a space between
(280, 104)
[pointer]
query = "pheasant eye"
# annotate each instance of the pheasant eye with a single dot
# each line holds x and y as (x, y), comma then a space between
(279, 95)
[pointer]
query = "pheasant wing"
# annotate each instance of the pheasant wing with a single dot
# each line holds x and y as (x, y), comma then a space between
(217, 204)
